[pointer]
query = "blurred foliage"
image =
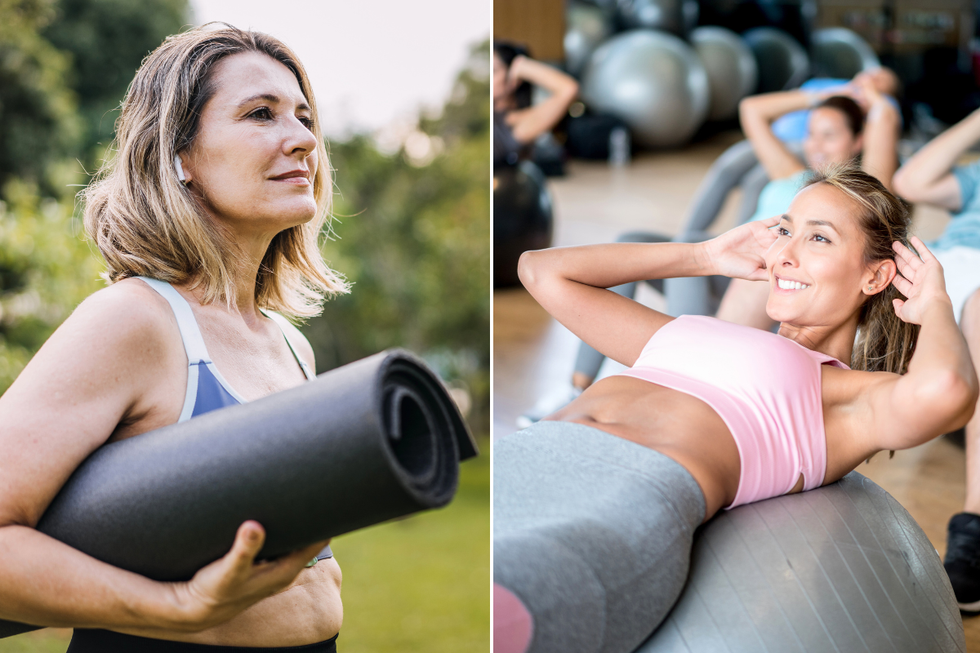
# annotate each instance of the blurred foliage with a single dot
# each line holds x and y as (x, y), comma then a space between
(106, 40)
(45, 271)
(64, 67)
(38, 123)
(413, 237)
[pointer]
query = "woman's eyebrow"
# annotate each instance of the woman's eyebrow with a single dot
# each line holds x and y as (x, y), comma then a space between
(272, 99)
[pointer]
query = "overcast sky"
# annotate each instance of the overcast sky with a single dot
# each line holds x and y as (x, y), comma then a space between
(371, 63)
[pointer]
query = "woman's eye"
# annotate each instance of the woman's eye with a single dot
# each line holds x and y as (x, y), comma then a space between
(820, 239)
(307, 122)
(261, 114)
(782, 231)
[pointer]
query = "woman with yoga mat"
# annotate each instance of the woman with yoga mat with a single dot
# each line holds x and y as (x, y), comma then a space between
(208, 218)
(596, 505)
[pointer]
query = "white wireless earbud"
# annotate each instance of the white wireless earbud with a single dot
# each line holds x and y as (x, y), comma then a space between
(180, 169)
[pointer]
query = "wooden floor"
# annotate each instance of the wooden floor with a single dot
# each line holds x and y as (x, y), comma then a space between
(594, 203)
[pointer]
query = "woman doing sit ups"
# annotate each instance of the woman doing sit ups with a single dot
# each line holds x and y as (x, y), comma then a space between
(595, 506)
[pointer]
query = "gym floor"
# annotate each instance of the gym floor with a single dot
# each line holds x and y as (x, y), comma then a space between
(533, 354)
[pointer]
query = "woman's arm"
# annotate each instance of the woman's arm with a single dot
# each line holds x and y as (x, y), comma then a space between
(757, 113)
(939, 391)
(879, 155)
(571, 282)
(104, 367)
(927, 176)
(527, 124)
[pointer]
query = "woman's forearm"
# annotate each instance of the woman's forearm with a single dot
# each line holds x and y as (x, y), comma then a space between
(941, 368)
(937, 157)
(880, 152)
(608, 265)
(47, 583)
(547, 77)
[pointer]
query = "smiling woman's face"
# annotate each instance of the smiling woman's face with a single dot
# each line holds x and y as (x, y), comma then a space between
(254, 158)
(817, 270)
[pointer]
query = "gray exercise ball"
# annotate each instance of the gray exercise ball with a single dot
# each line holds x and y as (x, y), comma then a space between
(839, 52)
(651, 80)
(840, 568)
(783, 63)
(586, 26)
(732, 71)
(676, 16)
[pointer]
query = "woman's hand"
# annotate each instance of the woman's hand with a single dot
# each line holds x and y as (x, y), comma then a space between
(231, 584)
(740, 253)
(921, 280)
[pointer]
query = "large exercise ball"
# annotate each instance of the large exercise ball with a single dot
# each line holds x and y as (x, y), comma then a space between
(653, 81)
(730, 64)
(522, 218)
(840, 568)
(676, 16)
(783, 63)
(586, 26)
(839, 52)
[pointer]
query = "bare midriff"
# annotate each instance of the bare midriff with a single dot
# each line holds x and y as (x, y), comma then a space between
(678, 425)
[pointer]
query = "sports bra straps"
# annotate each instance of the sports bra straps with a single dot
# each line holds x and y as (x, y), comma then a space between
(206, 388)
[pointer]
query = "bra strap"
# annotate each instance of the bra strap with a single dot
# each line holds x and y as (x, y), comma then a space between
(190, 333)
(286, 327)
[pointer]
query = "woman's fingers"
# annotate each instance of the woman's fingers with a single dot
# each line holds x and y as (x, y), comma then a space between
(924, 254)
(248, 542)
(903, 285)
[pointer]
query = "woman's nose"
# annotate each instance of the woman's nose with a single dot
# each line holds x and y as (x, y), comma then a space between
(786, 255)
(299, 138)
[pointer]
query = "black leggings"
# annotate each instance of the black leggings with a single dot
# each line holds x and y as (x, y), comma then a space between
(106, 641)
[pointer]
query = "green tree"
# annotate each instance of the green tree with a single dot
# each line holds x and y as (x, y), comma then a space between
(107, 41)
(38, 124)
(414, 238)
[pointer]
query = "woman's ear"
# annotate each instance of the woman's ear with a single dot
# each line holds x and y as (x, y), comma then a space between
(880, 277)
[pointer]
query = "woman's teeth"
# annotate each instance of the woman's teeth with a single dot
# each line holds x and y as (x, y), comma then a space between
(791, 285)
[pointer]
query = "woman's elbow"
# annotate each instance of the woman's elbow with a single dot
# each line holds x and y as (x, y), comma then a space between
(529, 268)
(903, 185)
(955, 394)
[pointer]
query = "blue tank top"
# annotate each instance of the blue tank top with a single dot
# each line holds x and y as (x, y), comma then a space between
(207, 390)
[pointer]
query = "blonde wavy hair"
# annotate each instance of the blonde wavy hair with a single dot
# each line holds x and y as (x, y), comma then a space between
(147, 223)
(884, 342)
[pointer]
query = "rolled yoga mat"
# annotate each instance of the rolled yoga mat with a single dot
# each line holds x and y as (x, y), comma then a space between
(376, 439)
(840, 568)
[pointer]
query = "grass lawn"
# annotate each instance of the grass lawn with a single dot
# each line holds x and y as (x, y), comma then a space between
(416, 584)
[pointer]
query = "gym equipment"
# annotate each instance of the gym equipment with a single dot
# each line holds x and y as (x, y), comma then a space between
(522, 218)
(730, 64)
(840, 568)
(783, 63)
(586, 26)
(377, 439)
(653, 81)
(838, 52)
(676, 16)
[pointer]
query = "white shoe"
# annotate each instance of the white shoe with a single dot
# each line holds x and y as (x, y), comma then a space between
(551, 402)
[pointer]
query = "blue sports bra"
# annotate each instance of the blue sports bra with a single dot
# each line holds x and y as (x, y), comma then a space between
(207, 390)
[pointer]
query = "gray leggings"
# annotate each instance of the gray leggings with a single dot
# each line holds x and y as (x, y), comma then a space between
(592, 533)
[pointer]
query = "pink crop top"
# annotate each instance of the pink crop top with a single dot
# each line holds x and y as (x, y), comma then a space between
(765, 387)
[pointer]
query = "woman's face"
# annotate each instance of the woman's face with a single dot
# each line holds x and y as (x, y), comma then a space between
(817, 271)
(254, 158)
(829, 139)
